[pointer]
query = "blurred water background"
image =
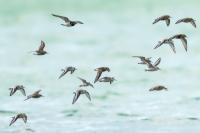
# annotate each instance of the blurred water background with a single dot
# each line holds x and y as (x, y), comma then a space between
(114, 30)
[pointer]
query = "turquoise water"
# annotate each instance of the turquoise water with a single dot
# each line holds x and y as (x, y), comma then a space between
(113, 31)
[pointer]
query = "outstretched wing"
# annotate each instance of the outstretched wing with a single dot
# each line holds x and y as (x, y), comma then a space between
(83, 80)
(78, 22)
(179, 21)
(42, 45)
(158, 45)
(88, 95)
(98, 76)
(76, 96)
(12, 121)
(62, 74)
(23, 91)
(172, 47)
(24, 118)
(184, 42)
(66, 19)
(193, 23)
(157, 62)
(141, 57)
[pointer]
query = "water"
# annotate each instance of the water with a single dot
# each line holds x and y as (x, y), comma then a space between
(112, 33)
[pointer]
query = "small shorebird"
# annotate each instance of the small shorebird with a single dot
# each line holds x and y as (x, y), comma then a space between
(100, 70)
(68, 22)
(187, 20)
(16, 88)
(168, 42)
(143, 59)
(22, 116)
(66, 70)
(158, 88)
(40, 50)
(80, 92)
(153, 67)
(165, 18)
(34, 95)
(85, 83)
(183, 39)
(107, 79)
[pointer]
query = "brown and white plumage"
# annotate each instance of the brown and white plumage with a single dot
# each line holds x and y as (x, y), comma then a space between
(165, 18)
(100, 70)
(158, 88)
(22, 116)
(40, 50)
(187, 20)
(17, 88)
(168, 42)
(68, 22)
(107, 79)
(80, 92)
(183, 39)
(143, 59)
(34, 95)
(85, 83)
(66, 70)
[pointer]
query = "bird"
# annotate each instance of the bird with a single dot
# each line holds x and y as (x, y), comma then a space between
(143, 59)
(158, 88)
(165, 18)
(187, 20)
(183, 39)
(100, 70)
(153, 67)
(107, 79)
(34, 95)
(16, 88)
(22, 116)
(85, 83)
(166, 41)
(40, 50)
(80, 92)
(68, 22)
(66, 70)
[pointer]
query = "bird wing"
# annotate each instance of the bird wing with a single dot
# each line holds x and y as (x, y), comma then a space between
(83, 80)
(78, 22)
(98, 76)
(66, 19)
(156, 20)
(158, 45)
(11, 91)
(141, 57)
(62, 74)
(76, 96)
(157, 62)
(193, 23)
(12, 121)
(184, 42)
(167, 21)
(24, 118)
(23, 91)
(42, 45)
(179, 21)
(88, 95)
(172, 47)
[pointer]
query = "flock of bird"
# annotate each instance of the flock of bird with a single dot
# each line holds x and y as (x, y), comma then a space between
(152, 66)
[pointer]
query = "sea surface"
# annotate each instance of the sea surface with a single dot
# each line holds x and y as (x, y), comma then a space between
(113, 31)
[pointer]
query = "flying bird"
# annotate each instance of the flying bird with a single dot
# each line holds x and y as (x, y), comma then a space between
(80, 92)
(168, 42)
(22, 116)
(85, 83)
(68, 22)
(153, 67)
(158, 88)
(107, 79)
(187, 20)
(165, 18)
(40, 50)
(143, 59)
(66, 70)
(183, 39)
(34, 95)
(100, 70)
(17, 88)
